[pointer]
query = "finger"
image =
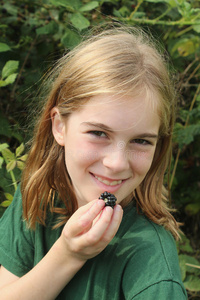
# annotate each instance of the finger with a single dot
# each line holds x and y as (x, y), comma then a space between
(109, 232)
(95, 233)
(85, 221)
(83, 218)
(114, 224)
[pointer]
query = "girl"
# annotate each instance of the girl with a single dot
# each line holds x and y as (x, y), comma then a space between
(106, 126)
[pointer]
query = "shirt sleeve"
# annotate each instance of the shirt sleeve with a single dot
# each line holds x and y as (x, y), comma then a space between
(164, 290)
(16, 240)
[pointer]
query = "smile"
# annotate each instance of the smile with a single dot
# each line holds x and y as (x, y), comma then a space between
(110, 183)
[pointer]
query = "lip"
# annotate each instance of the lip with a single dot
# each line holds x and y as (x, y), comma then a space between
(104, 186)
(106, 178)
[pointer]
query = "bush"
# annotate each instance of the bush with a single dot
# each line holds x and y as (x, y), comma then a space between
(35, 33)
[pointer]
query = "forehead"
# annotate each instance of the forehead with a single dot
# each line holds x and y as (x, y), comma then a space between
(119, 112)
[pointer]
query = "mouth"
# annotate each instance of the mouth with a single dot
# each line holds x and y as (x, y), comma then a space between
(108, 181)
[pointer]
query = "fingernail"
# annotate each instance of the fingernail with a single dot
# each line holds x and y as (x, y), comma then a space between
(100, 203)
(118, 208)
(109, 208)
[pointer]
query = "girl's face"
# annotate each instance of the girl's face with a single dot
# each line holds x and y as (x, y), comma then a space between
(109, 145)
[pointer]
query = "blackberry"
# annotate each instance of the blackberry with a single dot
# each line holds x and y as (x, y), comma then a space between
(109, 199)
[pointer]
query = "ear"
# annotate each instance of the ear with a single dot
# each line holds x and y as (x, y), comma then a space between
(58, 126)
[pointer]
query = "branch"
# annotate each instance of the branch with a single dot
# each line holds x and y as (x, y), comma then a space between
(159, 22)
(136, 9)
(193, 266)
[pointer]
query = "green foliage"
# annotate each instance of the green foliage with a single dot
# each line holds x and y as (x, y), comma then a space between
(33, 34)
(9, 72)
(4, 47)
(189, 265)
(11, 161)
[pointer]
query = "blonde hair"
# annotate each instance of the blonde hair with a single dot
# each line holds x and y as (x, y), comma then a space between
(116, 61)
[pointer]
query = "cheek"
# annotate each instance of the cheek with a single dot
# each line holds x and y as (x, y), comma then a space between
(141, 161)
(81, 154)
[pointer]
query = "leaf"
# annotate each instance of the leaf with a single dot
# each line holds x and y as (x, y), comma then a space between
(20, 165)
(192, 283)
(6, 183)
(155, 1)
(10, 67)
(3, 146)
(196, 27)
(11, 165)
(58, 3)
(124, 12)
(184, 245)
(19, 150)
(2, 83)
(184, 9)
(184, 136)
(70, 39)
(8, 196)
(192, 209)
(4, 47)
(4, 128)
(186, 46)
(50, 28)
(89, 6)
(8, 155)
(198, 98)
(172, 3)
(12, 9)
(9, 80)
(182, 264)
(1, 161)
(79, 21)
(3, 26)
(68, 4)
(6, 203)
(24, 157)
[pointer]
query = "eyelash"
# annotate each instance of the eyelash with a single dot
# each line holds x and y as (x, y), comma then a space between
(99, 134)
(142, 142)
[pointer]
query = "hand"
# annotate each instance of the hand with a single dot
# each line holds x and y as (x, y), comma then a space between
(90, 229)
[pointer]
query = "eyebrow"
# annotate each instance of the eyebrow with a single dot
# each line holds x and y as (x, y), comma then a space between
(147, 135)
(98, 125)
(105, 127)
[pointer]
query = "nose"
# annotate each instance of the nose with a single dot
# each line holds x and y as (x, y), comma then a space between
(116, 159)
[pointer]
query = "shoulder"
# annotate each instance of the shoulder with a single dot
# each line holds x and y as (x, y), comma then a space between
(15, 238)
(147, 241)
(151, 256)
(21, 247)
(137, 226)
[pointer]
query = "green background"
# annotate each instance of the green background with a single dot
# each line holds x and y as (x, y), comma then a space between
(34, 34)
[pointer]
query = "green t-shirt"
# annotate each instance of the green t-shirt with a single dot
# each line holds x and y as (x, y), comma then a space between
(139, 263)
